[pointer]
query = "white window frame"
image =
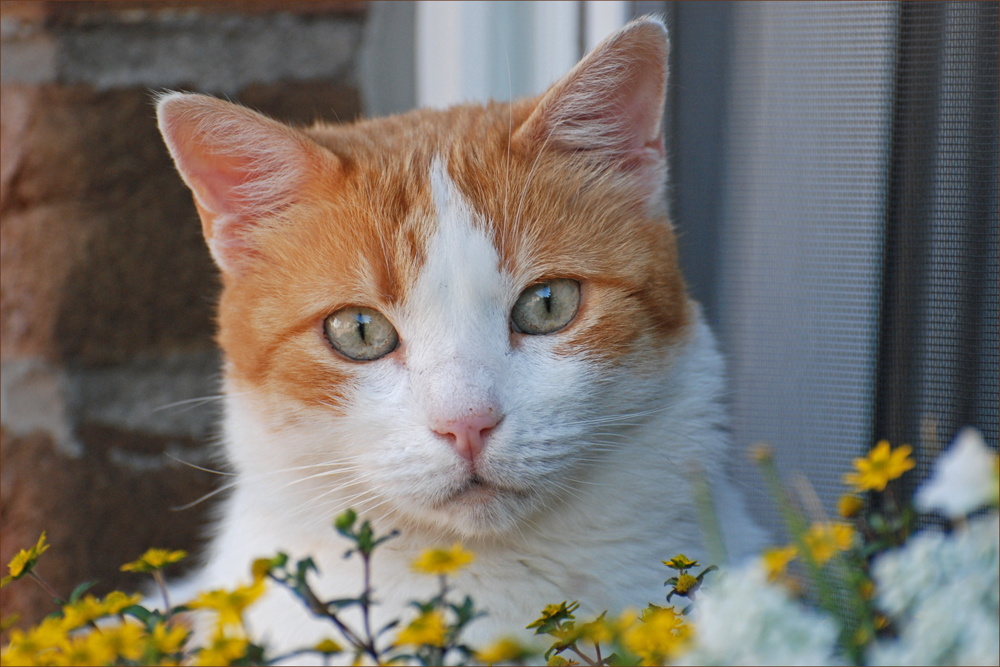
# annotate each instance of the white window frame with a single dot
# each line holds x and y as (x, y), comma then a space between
(460, 44)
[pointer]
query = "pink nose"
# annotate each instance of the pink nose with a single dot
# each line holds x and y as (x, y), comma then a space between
(469, 432)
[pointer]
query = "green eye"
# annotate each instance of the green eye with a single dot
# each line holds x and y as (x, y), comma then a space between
(361, 333)
(546, 306)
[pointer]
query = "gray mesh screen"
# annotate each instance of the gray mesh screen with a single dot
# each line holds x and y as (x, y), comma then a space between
(809, 125)
(857, 240)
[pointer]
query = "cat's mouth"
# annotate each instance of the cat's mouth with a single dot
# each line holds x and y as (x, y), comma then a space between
(475, 490)
(478, 490)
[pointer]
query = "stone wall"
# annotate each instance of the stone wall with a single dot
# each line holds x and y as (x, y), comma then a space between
(109, 372)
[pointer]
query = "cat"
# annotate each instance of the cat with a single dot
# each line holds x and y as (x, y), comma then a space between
(466, 324)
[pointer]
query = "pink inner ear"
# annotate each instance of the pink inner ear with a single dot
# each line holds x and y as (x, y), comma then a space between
(216, 179)
(241, 167)
(612, 101)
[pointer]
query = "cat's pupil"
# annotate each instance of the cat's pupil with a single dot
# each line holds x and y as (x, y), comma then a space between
(546, 293)
(362, 321)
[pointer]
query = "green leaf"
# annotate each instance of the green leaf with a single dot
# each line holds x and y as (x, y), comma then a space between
(303, 567)
(424, 607)
(137, 611)
(80, 590)
(388, 626)
(385, 538)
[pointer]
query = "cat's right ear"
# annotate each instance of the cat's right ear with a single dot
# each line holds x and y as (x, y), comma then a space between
(241, 167)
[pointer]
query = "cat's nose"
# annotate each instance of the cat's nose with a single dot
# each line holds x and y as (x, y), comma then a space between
(469, 432)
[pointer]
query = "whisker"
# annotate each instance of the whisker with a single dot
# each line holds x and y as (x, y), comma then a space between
(197, 467)
(202, 499)
(192, 402)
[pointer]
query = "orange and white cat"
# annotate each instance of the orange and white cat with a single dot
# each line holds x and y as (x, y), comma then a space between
(466, 324)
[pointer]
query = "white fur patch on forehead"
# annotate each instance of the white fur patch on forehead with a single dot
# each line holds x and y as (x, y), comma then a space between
(460, 292)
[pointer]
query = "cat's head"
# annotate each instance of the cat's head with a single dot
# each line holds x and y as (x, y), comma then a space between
(450, 315)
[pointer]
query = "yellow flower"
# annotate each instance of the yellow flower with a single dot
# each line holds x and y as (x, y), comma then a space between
(760, 452)
(125, 640)
(849, 505)
(230, 605)
(223, 650)
(561, 609)
(115, 602)
(776, 561)
(167, 639)
(659, 635)
(261, 568)
(24, 561)
(880, 466)
(503, 651)
(559, 661)
(88, 649)
(597, 631)
(39, 645)
(443, 561)
(680, 562)
(89, 608)
(81, 612)
(685, 584)
(824, 540)
(50, 633)
(552, 616)
(16, 654)
(328, 646)
(154, 559)
(428, 629)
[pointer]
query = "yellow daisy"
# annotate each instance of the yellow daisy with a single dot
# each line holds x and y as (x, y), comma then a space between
(154, 559)
(428, 629)
(443, 561)
(880, 466)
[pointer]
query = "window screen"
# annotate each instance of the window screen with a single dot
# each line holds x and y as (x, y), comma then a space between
(836, 173)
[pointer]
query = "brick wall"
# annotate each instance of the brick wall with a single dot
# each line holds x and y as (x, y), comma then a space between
(107, 288)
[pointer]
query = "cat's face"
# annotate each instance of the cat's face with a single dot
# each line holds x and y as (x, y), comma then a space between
(444, 315)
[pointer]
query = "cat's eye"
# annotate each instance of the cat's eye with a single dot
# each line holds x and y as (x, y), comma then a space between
(546, 306)
(361, 333)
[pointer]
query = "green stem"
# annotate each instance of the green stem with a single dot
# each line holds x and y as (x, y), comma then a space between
(319, 608)
(366, 602)
(797, 527)
(701, 494)
(47, 588)
(162, 585)
(586, 659)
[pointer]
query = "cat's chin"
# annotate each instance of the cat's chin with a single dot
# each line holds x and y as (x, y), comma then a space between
(479, 507)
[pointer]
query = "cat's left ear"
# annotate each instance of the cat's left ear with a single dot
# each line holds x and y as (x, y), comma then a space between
(610, 106)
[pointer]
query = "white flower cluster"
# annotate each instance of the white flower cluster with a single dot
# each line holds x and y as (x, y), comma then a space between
(944, 593)
(964, 478)
(744, 620)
